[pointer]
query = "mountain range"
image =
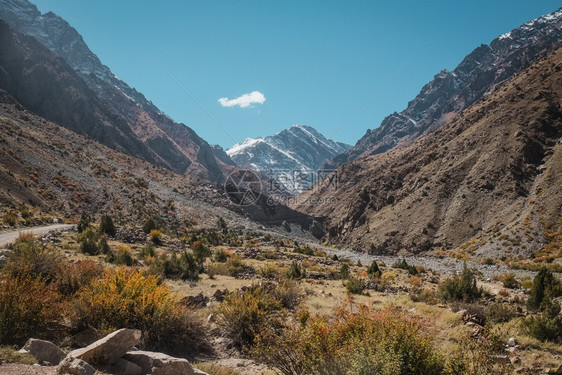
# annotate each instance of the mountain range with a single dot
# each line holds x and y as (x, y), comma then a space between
(293, 156)
(55, 74)
(450, 92)
(487, 181)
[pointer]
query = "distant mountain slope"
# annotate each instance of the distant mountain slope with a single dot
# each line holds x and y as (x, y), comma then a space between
(151, 134)
(493, 169)
(451, 92)
(289, 156)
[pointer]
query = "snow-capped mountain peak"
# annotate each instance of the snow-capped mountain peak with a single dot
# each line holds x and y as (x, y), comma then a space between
(298, 150)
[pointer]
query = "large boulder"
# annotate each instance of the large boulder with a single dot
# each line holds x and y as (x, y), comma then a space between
(109, 349)
(44, 351)
(124, 367)
(75, 366)
(159, 363)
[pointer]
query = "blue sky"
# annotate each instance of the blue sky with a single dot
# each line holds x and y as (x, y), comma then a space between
(315, 62)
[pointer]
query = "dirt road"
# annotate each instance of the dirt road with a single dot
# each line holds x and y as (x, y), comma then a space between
(8, 237)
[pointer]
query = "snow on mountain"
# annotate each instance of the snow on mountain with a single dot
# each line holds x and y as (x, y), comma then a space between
(292, 156)
(482, 70)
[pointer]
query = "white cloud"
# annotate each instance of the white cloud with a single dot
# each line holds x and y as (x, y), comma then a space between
(243, 101)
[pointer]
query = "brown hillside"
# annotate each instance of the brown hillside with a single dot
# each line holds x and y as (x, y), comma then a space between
(495, 167)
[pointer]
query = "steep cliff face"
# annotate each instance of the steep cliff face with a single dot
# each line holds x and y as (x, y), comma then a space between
(146, 131)
(493, 168)
(292, 156)
(452, 91)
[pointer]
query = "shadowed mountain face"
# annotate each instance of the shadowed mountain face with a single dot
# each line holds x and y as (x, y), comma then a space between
(59, 78)
(451, 92)
(496, 166)
(292, 156)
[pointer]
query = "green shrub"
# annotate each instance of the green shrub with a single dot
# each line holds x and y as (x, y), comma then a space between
(402, 264)
(107, 226)
(296, 271)
(11, 219)
(374, 269)
(121, 257)
(545, 287)
(344, 272)
(183, 267)
(220, 256)
(88, 242)
(501, 312)
(147, 251)
(488, 261)
(84, 223)
(461, 288)
(149, 225)
(200, 251)
(509, 281)
(544, 327)
(355, 285)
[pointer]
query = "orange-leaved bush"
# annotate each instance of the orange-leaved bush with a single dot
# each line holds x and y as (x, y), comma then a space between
(125, 298)
(29, 307)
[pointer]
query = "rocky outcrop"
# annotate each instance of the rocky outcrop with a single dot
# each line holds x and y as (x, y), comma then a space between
(452, 91)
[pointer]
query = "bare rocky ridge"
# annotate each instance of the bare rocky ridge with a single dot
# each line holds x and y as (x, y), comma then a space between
(452, 91)
(82, 94)
(495, 164)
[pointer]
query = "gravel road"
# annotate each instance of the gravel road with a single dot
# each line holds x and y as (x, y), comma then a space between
(7, 238)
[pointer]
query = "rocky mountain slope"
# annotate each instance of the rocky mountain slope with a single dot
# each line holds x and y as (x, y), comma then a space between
(452, 91)
(488, 181)
(93, 100)
(55, 172)
(292, 156)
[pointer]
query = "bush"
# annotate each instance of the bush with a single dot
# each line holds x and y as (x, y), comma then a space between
(11, 219)
(74, 276)
(147, 251)
(344, 272)
(296, 271)
(355, 285)
(544, 327)
(121, 257)
(132, 299)
(149, 225)
(545, 287)
(374, 269)
(220, 256)
(107, 226)
(88, 242)
(509, 281)
(402, 264)
(183, 267)
(384, 342)
(268, 271)
(29, 307)
(461, 288)
(156, 236)
(200, 251)
(501, 312)
(244, 313)
(39, 260)
(84, 223)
